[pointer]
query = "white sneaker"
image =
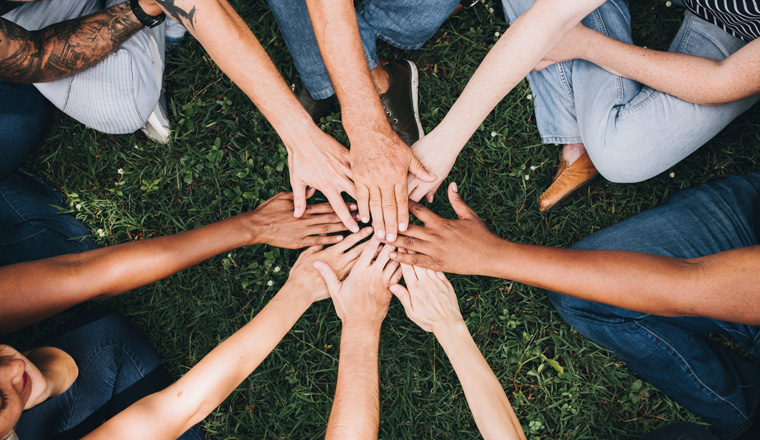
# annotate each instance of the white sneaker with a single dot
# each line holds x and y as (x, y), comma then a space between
(157, 126)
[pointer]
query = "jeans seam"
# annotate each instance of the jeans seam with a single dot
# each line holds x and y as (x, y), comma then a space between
(690, 371)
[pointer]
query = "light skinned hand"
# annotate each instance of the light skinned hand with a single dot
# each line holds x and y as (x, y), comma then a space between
(273, 223)
(455, 246)
(569, 48)
(362, 298)
(323, 165)
(380, 164)
(429, 152)
(428, 299)
(340, 258)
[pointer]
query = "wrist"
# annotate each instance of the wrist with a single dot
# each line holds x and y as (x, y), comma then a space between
(451, 332)
(147, 12)
(492, 256)
(296, 294)
(363, 325)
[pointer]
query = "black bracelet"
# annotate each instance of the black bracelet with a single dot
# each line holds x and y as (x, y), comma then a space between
(146, 20)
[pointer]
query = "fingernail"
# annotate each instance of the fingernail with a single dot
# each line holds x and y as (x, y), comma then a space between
(365, 219)
(339, 238)
(355, 228)
(454, 187)
(402, 227)
(380, 234)
(368, 230)
(393, 255)
(390, 237)
(352, 207)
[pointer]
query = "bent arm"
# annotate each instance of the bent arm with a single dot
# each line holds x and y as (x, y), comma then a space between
(694, 79)
(169, 413)
(356, 409)
(489, 404)
(723, 286)
(67, 47)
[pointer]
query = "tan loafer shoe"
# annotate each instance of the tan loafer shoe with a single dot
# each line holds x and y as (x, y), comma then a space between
(568, 180)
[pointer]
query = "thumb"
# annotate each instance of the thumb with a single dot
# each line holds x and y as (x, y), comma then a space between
(299, 199)
(419, 171)
(460, 207)
(403, 295)
(333, 284)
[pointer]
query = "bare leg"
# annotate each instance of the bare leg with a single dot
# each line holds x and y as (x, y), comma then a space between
(380, 78)
(571, 152)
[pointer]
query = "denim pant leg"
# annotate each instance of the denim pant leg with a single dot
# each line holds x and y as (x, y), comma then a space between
(116, 95)
(31, 227)
(706, 378)
(406, 24)
(24, 120)
(117, 367)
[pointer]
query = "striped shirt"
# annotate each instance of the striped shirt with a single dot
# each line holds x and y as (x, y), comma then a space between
(740, 18)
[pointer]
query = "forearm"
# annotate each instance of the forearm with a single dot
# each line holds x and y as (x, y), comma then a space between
(692, 78)
(356, 409)
(489, 404)
(337, 33)
(35, 290)
(521, 47)
(63, 48)
(169, 413)
(720, 286)
(240, 55)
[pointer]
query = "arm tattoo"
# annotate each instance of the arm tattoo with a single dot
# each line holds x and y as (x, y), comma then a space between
(63, 48)
(186, 18)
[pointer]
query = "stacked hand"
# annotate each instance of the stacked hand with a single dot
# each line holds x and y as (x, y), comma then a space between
(428, 299)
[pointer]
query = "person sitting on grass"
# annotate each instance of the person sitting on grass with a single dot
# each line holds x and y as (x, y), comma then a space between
(646, 288)
(101, 368)
(645, 113)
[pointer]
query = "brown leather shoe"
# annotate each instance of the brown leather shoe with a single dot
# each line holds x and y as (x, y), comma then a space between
(567, 180)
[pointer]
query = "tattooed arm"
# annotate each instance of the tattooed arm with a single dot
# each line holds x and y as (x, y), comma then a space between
(67, 47)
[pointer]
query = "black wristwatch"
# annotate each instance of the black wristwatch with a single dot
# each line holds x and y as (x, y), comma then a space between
(149, 21)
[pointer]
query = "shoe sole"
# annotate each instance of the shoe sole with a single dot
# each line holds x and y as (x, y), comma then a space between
(569, 194)
(415, 97)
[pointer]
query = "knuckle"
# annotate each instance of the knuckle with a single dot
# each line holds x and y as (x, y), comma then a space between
(408, 242)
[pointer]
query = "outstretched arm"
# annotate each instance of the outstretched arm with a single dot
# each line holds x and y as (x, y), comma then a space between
(361, 302)
(35, 290)
(694, 79)
(169, 413)
(432, 304)
(517, 52)
(67, 47)
(722, 286)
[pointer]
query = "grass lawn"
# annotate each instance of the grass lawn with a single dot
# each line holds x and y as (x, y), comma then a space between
(224, 158)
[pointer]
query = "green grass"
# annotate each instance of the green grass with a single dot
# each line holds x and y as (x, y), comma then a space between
(224, 159)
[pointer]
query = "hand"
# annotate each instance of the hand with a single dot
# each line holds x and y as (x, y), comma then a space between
(150, 7)
(273, 223)
(430, 153)
(362, 299)
(323, 165)
(380, 163)
(430, 301)
(569, 48)
(340, 258)
(457, 246)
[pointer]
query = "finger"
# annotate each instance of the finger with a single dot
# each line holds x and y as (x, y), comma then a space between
(409, 276)
(362, 200)
(403, 296)
(396, 277)
(351, 240)
(324, 269)
(389, 212)
(421, 260)
(348, 187)
(430, 196)
(384, 256)
(411, 244)
(416, 194)
(423, 213)
(368, 253)
(319, 208)
(376, 210)
(389, 269)
(341, 210)
(460, 207)
(299, 199)
(402, 200)
(321, 240)
(310, 191)
(419, 171)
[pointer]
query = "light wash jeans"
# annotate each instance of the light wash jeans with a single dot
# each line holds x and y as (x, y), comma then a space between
(705, 377)
(118, 94)
(405, 24)
(631, 132)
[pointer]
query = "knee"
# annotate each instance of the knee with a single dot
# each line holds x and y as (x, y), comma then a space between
(623, 163)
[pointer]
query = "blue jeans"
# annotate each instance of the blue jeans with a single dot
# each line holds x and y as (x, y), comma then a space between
(31, 227)
(117, 367)
(24, 120)
(707, 378)
(405, 24)
(631, 132)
